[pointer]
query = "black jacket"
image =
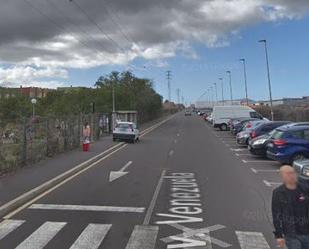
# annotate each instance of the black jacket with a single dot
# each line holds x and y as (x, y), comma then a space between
(282, 210)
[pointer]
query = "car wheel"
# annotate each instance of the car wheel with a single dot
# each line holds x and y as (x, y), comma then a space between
(298, 157)
(223, 127)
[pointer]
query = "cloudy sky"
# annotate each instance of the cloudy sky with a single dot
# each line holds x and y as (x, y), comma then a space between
(52, 43)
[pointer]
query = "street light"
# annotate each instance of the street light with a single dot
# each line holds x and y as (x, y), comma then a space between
(33, 102)
(212, 95)
(269, 82)
(231, 89)
(245, 76)
(221, 79)
(215, 84)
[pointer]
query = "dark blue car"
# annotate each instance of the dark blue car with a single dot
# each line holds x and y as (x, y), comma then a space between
(289, 144)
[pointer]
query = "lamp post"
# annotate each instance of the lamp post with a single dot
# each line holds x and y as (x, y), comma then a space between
(212, 95)
(215, 84)
(269, 81)
(231, 89)
(245, 76)
(221, 79)
(33, 102)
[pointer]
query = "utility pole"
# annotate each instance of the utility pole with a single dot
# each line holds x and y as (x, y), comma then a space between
(215, 84)
(231, 89)
(269, 82)
(183, 100)
(178, 95)
(169, 77)
(245, 76)
(222, 88)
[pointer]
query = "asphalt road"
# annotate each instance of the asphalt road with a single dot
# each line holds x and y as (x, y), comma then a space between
(184, 185)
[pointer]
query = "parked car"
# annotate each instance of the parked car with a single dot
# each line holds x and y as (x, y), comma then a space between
(242, 137)
(266, 128)
(289, 144)
(222, 115)
(258, 145)
(302, 169)
(237, 127)
(126, 131)
(188, 113)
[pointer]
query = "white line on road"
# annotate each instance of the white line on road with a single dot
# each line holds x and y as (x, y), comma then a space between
(154, 199)
(251, 240)
(88, 208)
(258, 161)
(91, 237)
(40, 238)
(239, 155)
(171, 153)
(271, 184)
(238, 149)
(8, 226)
(143, 237)
(256, 171)
(114, 175)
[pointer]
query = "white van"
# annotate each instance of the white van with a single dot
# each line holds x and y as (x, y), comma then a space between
(222, 114)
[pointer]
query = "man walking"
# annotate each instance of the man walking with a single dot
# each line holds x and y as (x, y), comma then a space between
(290, 210)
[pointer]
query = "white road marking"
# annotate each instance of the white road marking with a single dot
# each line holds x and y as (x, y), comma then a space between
(171, 153)
(256, 171)
(258, 161)
(88, 208)
(202, 235)
(40, 238)
(91, 237)
(143, 237)
(271, 184)
(8, 226)
(238, 149)
(154, 199)
(251, 240)
(239, 155)
(114, 175)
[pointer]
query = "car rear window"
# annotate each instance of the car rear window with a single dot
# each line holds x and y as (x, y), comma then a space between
(124, 126)
(277, 134)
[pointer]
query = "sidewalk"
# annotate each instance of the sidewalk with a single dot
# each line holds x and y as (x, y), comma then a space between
(27, 178)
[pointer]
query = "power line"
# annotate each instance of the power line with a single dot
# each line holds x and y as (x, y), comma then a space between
(58, 26)
(169, 77)
(97, 25)
(121, 30)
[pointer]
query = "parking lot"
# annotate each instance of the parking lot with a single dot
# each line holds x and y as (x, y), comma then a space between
(265, 170)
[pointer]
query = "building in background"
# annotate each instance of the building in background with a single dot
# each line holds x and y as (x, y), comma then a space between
(30, 92)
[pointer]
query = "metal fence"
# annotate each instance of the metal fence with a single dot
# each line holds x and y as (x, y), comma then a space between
(30, 140)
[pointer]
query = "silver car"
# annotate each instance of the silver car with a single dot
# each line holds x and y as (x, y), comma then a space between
(302, 169)
(242, 137)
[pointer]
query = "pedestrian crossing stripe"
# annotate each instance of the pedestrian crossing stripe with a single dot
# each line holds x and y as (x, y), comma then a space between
(91, 237)
(252, 240)
(40, 238)
(8, 226)
(94, 234)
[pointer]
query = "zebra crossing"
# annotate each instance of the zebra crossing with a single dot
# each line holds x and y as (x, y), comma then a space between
(93, 235)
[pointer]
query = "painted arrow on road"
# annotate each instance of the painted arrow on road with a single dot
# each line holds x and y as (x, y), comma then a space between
(114, 175)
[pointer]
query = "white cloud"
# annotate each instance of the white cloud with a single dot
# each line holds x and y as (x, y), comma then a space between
(30, 76)
(41, 47)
